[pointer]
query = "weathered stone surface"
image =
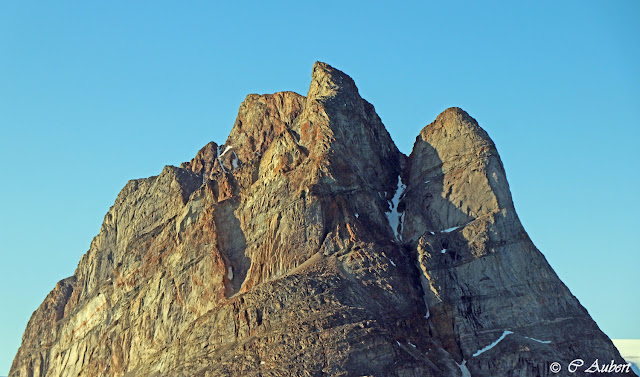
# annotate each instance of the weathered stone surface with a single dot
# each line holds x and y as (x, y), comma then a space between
(481, 273)
(308, 245)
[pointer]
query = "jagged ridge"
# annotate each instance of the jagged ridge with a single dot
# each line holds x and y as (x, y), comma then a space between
(307, 244)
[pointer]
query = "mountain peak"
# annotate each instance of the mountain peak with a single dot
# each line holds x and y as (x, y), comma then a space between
(454, 110)
(457, 118)
(327, 82)
(343, 132)
(296, 246)
(455, 115)
(323, 70)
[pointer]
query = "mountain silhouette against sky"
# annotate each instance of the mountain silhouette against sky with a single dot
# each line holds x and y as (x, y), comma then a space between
(307, 244)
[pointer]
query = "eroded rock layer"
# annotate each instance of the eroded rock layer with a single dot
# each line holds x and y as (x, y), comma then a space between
(308, 245)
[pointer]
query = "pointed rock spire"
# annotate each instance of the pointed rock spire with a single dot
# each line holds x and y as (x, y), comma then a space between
(456, 163)
(328, 82)
(345, 134)
(474, 256)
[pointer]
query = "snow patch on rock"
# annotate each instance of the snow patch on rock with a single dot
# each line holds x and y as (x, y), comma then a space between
(490, 346)
(394, 217)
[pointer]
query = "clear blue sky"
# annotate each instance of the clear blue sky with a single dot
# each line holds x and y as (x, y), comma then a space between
(94, 95)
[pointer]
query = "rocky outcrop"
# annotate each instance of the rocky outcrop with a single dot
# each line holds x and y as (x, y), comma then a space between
(481, 274)
(307, 244)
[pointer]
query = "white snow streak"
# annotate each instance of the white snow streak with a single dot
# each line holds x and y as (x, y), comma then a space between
(490, 346)
(395, 218)
(539, 341)
(221, 165)
(219, 160)
(234, 163)
(449, 230)
(227, 149)
(464, 369)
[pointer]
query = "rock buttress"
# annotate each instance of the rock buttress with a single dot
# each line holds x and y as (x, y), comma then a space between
(482, 276)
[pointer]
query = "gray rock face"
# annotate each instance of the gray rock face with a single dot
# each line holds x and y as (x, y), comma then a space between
(308, 245)
(480, 272)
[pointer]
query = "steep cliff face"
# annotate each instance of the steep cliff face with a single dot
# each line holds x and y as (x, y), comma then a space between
(481, 274)
(307, 244)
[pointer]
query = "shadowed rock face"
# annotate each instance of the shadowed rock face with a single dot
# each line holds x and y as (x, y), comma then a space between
(480, 272)
(308, 245)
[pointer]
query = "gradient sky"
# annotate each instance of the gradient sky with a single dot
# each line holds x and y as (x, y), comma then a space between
(92, 95)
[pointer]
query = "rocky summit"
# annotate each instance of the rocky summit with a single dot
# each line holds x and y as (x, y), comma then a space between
(308, 245)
